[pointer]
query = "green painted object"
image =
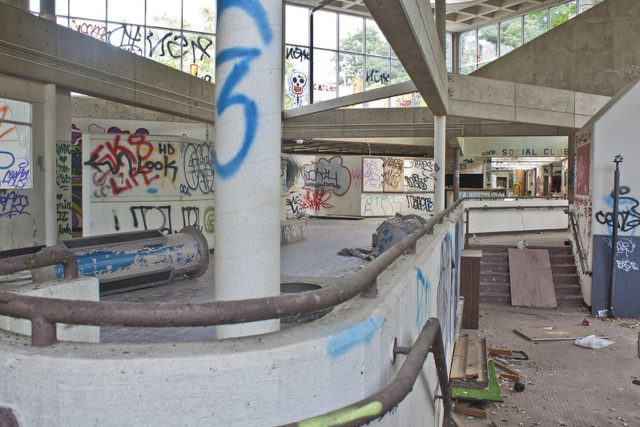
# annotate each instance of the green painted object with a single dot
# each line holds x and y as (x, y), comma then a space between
(493, 393)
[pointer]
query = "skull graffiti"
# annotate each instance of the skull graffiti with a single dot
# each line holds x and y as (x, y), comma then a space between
(297, 86)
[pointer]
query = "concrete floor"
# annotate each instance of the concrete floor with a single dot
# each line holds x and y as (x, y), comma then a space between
(566, 385)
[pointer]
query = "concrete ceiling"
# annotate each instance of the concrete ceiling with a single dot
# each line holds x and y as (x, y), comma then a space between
(462, 15)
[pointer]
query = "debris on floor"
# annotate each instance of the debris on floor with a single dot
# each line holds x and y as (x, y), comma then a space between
(592, 341)
(366, 254)
(551, 333)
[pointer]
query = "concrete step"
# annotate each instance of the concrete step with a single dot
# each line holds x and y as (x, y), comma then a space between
(562, 300)
(495, 249)
(505, 288)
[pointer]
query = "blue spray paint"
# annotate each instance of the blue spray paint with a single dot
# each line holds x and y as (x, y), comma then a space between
(226, 97)
(422, 298)
(345, 340)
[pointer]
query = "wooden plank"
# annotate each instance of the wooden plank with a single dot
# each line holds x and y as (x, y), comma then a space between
(482, 361)
(472, 357)
(470, 287)
(504, 368)
(499, 352)
(531, 279)
(515, 378)
(554, 334)
(458, 368)
(465, 410)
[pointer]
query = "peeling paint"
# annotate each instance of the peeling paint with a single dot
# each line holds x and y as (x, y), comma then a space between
(343, 341)
(344, 416)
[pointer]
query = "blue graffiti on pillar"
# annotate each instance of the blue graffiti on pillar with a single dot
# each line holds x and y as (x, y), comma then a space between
(226, 97)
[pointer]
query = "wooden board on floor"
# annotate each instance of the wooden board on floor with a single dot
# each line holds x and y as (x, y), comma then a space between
(472, 357)
(458, 368)
(531, 278)
(555, 334)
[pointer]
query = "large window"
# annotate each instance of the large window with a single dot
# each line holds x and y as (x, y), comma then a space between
(15, 146)
(179, 34)
(483, 45)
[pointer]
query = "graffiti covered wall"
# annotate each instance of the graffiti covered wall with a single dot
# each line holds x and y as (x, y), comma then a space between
(615, 131)
(134, 182)
(357, 186)
(21, 221)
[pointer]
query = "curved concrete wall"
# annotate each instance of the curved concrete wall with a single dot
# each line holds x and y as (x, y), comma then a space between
(268, 380)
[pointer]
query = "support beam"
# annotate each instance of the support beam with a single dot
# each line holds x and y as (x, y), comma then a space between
(409, 27)
(440, 148)
(40, 50)
(247, 157)
(456, 174)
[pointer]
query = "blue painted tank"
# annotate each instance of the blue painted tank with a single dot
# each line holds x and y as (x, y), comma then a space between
(128, 261)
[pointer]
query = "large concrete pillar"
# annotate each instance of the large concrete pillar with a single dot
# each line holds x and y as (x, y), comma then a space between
(456, 174)
(48, 9)
(439, 149)
(50, 136)
(247, 156)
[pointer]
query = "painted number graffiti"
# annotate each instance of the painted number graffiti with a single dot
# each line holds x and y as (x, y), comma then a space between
(242, 57)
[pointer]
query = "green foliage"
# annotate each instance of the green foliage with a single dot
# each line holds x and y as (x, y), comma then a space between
(562, 13)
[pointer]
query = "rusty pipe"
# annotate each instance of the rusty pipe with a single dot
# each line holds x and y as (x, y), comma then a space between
(43, 258)
(381, 402)
(206, 314)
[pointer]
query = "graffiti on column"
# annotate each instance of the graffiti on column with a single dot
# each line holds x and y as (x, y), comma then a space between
(15, 167)
(228, 97)
(63, 189)
(628, 216)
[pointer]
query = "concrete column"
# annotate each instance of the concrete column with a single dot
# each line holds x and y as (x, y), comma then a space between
(439, 149)
(441, 24)
(50, 134)
(48, 9)
(247, 156)
(456, 174)
(455, 49)
(571, 175)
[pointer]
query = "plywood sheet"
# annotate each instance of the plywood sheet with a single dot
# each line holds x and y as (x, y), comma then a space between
(458, 368)
(531, 278)
(554, 334)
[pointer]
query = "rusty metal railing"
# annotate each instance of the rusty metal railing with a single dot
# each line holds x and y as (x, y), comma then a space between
(576, 236)
(42, 259)
(45, 313)
(378, 404)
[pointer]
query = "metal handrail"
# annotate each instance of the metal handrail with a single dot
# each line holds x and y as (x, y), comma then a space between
(44, 313)
(576, 236)
(381, 402)
(42, 259)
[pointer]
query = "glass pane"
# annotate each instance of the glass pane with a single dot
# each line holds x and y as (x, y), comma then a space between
(324, 30)
(403, 101)
(351, 37)
(95, 9)
(126, 36)
(164, 13)
(562, 13)
(510, 35)
(199, 15)
(164, 46)
(15, 145)
(398, 73)
(131, 11)
(296, 83)
(488, 43)
(376, 43)
(468, 69)
(377, 73)
(62, 21)
(17, 111)
(297, 25)
(198, 56)
(34, 6)
(95, 29)
(350, 74)
(448, 52)
(62, 8)
(468, 54)
(324, 75)
(535, 24)
(588, 4)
